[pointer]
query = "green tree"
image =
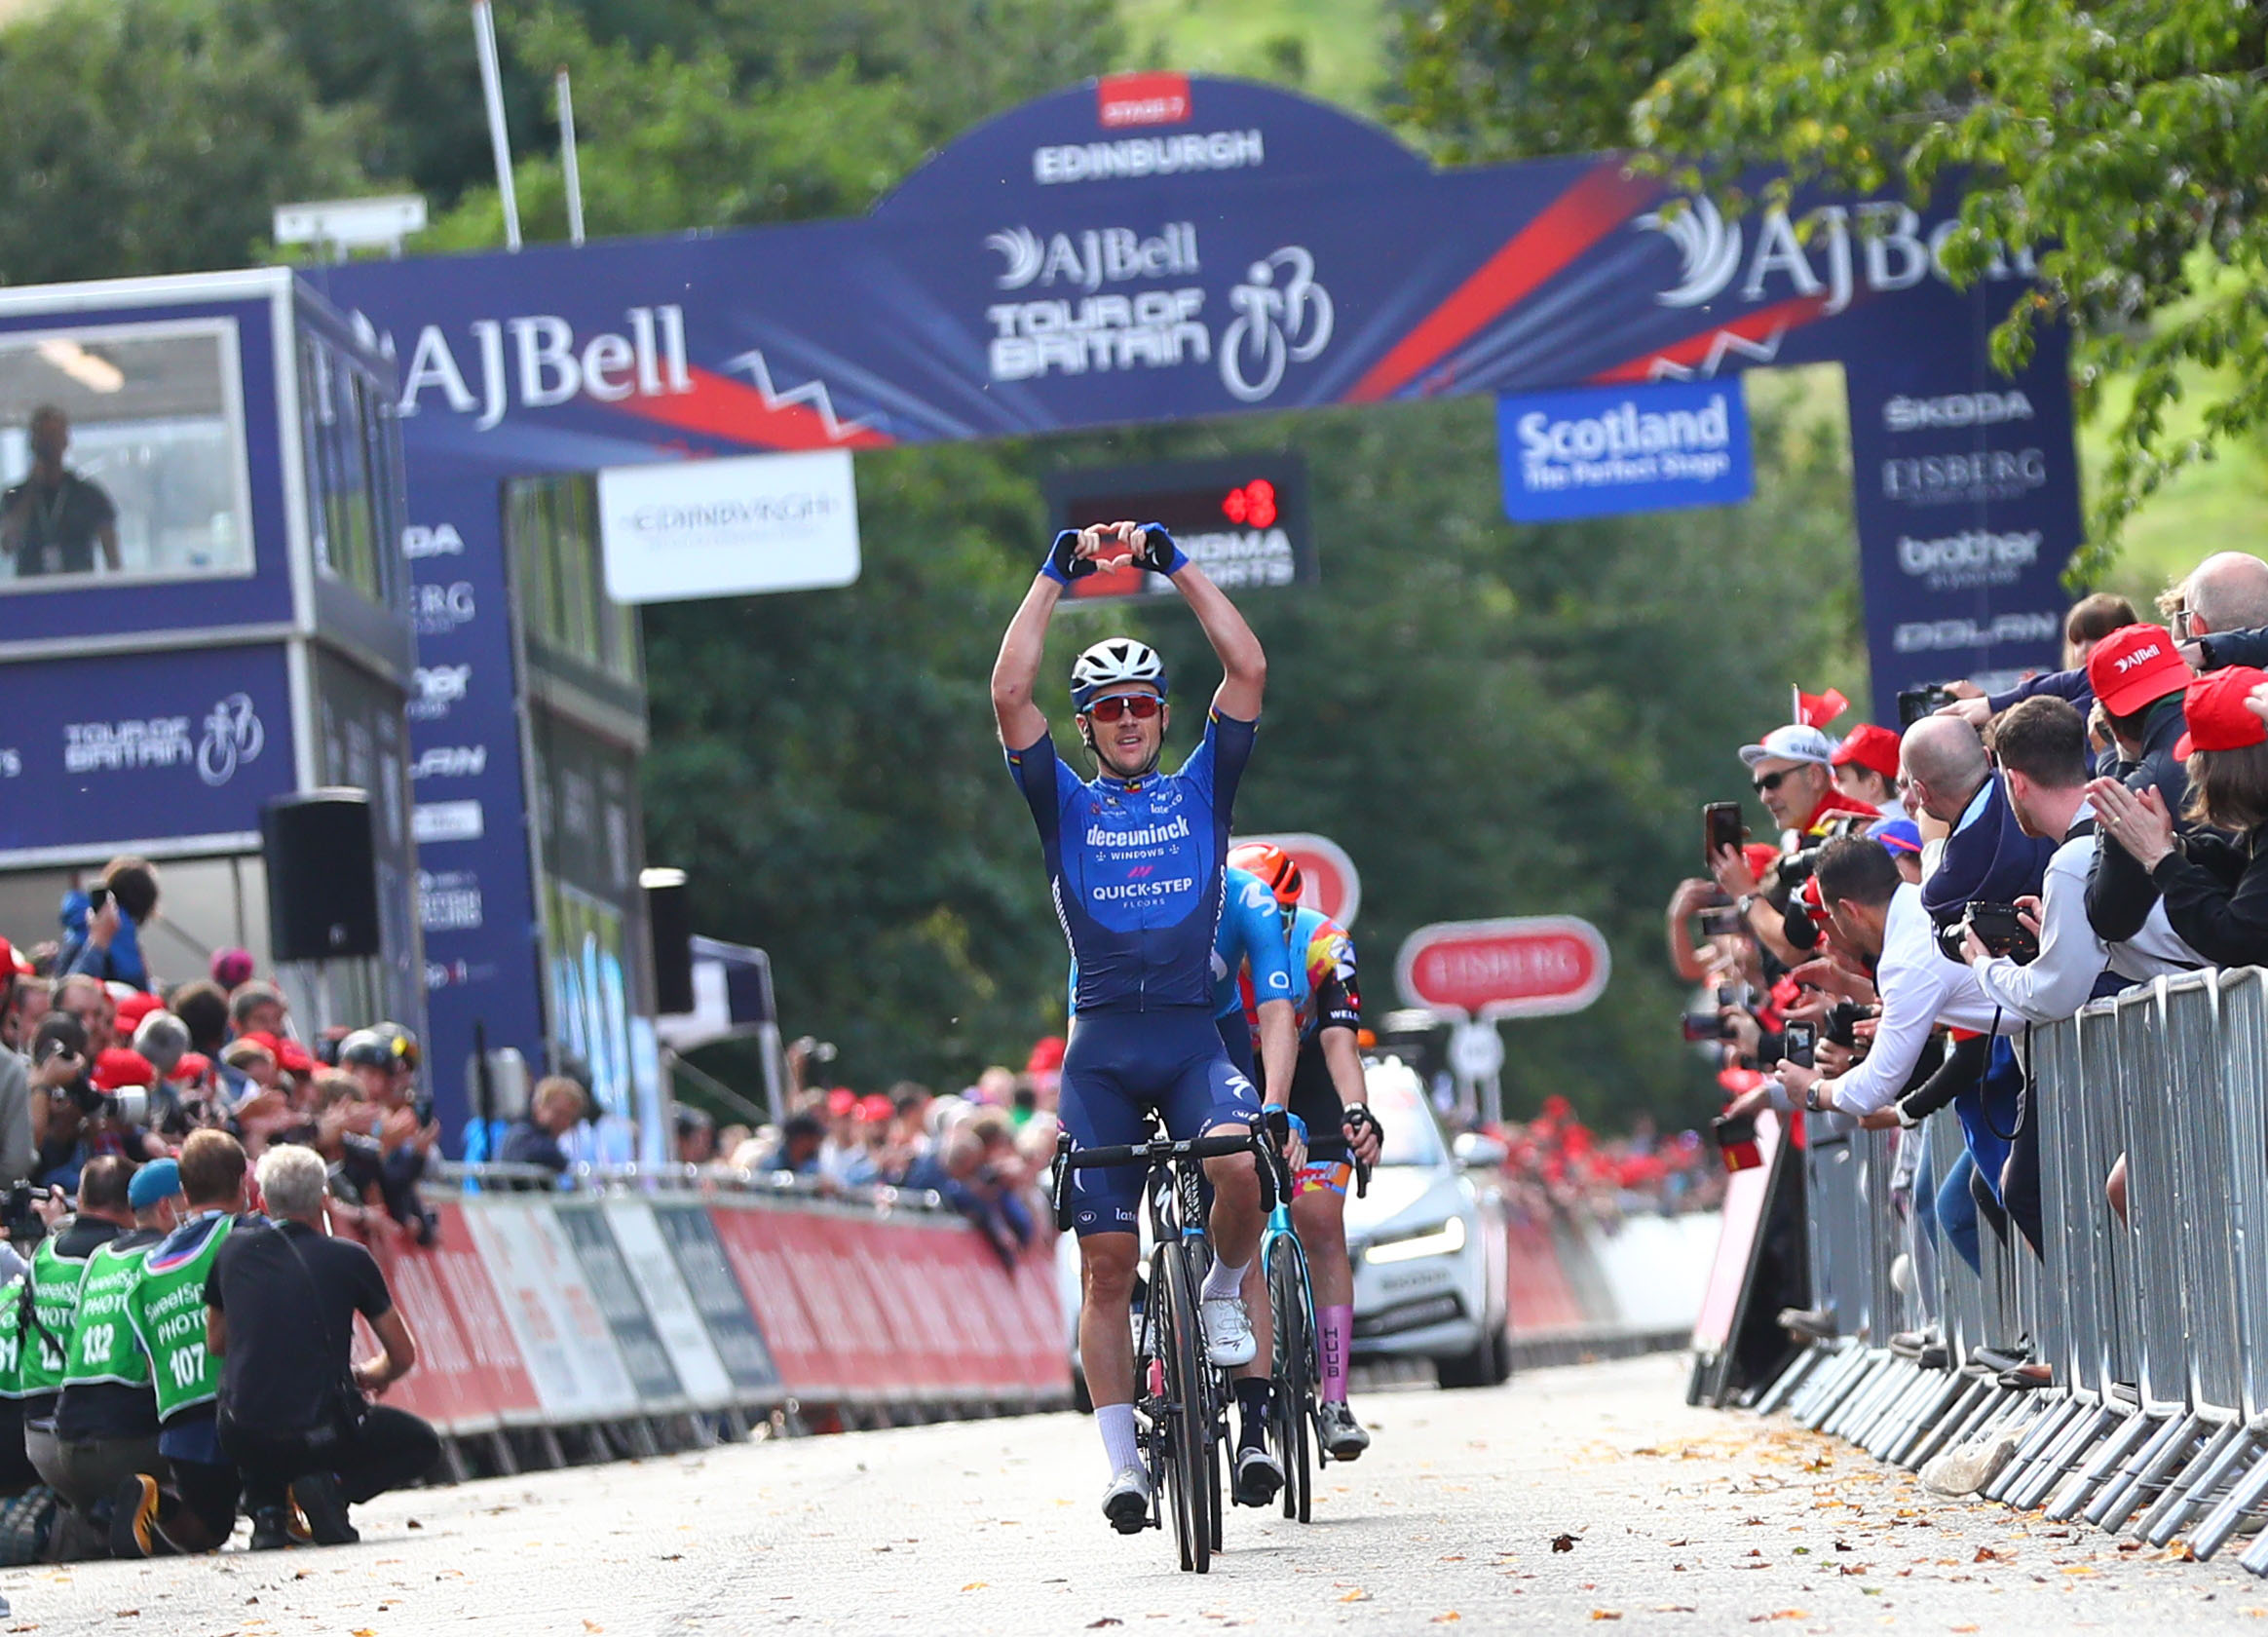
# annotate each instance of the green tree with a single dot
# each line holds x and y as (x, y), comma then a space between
(154, 137)
(1501, 720)
(1486, 80)
(768, 111)
(2125, 142)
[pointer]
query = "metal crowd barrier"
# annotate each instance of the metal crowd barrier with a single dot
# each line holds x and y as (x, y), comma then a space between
(2154, 1327)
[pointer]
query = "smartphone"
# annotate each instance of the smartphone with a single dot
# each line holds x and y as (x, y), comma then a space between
(1798, 1043)
(1999, 930)
(1721, 922)
(1722, 826)
(97, 898)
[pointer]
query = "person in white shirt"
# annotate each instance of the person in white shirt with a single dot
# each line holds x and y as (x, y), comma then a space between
(2041, 746)
(1877, 913)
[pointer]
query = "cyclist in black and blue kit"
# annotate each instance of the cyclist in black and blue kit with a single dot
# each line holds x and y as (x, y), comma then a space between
(1134, 862)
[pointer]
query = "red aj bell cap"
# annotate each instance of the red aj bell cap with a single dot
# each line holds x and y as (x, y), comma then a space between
(2135, 666)
(1870, 746)
(2218, 717)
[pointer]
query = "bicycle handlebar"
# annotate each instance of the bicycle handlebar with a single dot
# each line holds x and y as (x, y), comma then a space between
(1157, 1151)
(1276, 1175)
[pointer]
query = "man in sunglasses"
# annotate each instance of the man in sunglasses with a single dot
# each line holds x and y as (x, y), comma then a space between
(1792, 771)
(1134, 862)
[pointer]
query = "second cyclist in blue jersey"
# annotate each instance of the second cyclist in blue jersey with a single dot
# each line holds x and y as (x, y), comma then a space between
(1134, 860)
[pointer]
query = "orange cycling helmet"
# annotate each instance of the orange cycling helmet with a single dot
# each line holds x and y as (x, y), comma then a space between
(1274, 866)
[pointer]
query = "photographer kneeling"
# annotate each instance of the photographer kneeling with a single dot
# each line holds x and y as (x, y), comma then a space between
(279, 1313)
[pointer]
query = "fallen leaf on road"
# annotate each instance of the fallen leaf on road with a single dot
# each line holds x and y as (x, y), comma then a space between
(976, 1586)
(1450, 1618)
(1107, 1620)
(1563, 1543)
(1673, 1608)
(2081, 1569)
(1674, 1543)
(2181, 1552)
(1778, 1614)
(1357, 1595)
(1844, 1546)
(592, 1626)
(1985, 1554)
(1606, 1614)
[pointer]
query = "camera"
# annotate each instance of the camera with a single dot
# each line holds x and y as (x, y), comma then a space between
(1913, 703)
(1998, 928)
(19, 1220)
(1841, 1024)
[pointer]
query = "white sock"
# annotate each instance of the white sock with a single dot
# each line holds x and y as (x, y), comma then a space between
(1120, 1440)
(1223, 1281)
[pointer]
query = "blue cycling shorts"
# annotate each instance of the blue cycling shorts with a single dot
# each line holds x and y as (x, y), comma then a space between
(1119, 1066)
(1236, 1039)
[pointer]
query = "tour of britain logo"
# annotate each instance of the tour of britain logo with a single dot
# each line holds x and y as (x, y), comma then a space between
(232, 736)
(1279, 314)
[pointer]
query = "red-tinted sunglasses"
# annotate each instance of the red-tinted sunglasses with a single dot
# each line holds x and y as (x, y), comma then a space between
(1141, 707)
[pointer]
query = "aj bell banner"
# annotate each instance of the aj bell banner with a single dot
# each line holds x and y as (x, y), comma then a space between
(1606, 450)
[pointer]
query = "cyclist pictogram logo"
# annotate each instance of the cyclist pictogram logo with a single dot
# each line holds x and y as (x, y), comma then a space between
(1283, 315)
(233, 736)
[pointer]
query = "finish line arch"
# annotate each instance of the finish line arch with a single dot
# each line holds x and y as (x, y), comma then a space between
(1161, 247)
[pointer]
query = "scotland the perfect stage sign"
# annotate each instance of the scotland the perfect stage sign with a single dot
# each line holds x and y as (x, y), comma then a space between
(1636, 448)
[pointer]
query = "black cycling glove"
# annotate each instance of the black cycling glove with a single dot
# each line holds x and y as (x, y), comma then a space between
(1064, 564)
(1156, 551)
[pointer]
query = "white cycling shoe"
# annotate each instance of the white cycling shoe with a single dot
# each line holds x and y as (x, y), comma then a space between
(1343, 1437)
(1227, 1331)
(1127, 1503)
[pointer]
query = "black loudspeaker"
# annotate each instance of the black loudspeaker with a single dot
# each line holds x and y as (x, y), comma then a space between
(670, 923)
(323, 875)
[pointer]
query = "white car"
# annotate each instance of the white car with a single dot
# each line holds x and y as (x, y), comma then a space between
(1431, 1268)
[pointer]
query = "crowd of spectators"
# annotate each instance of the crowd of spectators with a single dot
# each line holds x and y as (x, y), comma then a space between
(176, 1160)
(2019, 851)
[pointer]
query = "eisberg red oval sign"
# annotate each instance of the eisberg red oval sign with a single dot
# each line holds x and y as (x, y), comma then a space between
(1526, 967)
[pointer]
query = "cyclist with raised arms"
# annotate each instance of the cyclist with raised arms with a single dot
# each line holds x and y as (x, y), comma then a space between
(1134, 862)
(1251, 957)
(1329, 1095)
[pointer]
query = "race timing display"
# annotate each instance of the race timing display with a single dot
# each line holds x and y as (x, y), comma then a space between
(1244, 519)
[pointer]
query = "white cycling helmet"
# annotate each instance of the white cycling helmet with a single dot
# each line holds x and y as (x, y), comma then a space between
(1114, 663)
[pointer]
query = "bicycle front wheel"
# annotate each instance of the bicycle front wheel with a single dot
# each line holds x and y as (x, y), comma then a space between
(1187, 1411)
(1292, 1414)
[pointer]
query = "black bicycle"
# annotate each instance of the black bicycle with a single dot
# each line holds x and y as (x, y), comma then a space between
(1295, 1426)
(1180, 1408)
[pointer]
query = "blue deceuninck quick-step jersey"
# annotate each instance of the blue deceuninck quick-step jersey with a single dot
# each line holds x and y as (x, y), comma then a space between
(1135, 866)
(1252, 931)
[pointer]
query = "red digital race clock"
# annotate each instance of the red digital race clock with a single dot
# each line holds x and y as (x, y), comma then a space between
(1244, 520)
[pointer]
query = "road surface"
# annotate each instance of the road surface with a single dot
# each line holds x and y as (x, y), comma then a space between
(1671, 1519)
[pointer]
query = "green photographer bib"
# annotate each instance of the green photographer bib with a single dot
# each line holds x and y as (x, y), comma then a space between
(47, 1326)
(11, 1339)
(102, 1346)
(167, 1309)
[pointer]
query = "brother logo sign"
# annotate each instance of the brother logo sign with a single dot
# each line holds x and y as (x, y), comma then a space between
(1636, 449)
